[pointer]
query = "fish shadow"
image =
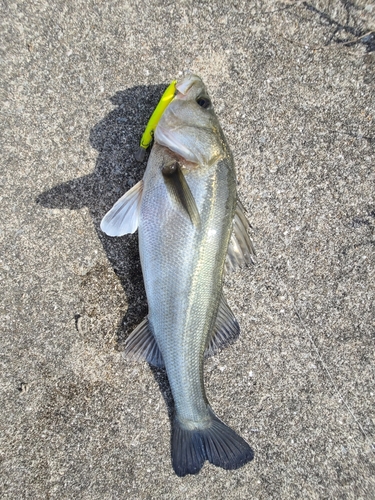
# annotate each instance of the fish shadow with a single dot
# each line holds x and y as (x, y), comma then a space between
(116, 138)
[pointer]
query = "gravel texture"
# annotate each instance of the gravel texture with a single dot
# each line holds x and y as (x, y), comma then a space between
(293, 84)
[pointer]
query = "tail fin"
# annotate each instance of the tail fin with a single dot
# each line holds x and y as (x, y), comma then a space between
(217, 443)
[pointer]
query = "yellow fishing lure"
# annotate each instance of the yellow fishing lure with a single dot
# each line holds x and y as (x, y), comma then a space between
(148, 134)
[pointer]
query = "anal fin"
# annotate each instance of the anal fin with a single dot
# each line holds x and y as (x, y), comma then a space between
(141, 345)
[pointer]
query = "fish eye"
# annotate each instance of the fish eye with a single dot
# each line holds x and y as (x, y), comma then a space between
(204, 102)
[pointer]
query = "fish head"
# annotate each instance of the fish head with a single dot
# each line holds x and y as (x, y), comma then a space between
(189, 126)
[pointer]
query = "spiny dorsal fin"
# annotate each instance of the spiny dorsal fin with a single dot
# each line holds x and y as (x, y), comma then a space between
(141, 346)
(226, 329)
(123, 218)
(241, 249)
(180, 192)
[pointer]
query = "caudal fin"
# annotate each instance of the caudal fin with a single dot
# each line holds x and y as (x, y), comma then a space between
(218, 444)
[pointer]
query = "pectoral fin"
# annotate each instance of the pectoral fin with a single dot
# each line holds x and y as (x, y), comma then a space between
(123, 218)
(241, 249)
(180, 192)
(226, 329)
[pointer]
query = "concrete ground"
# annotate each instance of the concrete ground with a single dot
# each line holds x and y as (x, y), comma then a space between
(293, 84)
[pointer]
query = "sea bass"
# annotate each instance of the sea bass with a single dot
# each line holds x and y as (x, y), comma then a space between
(191, 228)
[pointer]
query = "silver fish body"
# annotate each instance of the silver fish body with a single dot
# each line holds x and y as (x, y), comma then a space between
(190, 225)
(183, 270)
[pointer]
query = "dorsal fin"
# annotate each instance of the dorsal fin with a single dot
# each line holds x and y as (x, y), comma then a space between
(123, 218)
(226, 329)
(240, 250)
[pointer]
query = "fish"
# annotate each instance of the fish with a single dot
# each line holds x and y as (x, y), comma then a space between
(192, 229)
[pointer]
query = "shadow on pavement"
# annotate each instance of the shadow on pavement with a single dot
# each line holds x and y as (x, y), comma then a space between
(116, 137)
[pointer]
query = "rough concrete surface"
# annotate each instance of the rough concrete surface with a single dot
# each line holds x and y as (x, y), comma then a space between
(293, 85)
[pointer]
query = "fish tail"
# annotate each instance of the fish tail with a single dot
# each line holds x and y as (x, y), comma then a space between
(217, 443)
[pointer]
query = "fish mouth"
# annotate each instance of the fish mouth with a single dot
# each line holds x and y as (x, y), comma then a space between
(184, 85)
(170, 134)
